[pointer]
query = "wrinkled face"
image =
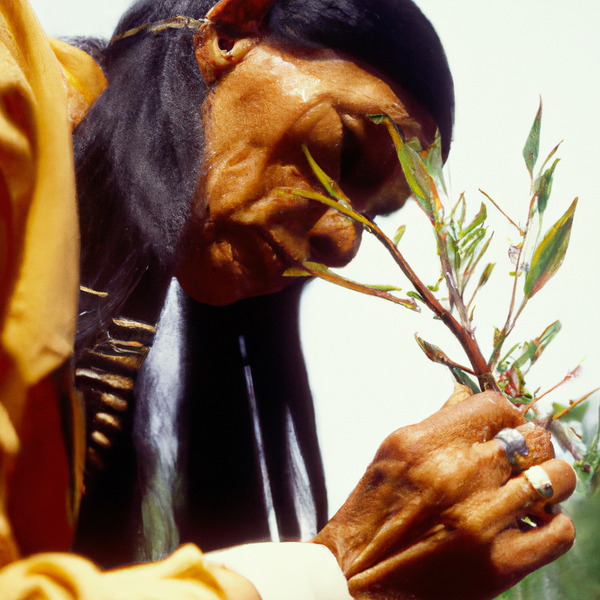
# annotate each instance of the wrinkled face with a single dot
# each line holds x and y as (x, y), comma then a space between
(243, 234)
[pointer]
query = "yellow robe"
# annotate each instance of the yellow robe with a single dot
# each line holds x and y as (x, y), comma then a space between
(41, 430)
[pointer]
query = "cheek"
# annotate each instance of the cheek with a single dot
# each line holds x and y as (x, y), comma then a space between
(321, 130)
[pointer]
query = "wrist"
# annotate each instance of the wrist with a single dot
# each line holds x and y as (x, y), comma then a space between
(291, 570)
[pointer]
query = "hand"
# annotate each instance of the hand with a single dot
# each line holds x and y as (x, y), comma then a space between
(439, 513)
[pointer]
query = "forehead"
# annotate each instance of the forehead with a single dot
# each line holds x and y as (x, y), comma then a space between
(299, 78)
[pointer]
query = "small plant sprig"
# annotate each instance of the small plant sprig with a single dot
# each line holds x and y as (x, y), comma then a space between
(461, 246)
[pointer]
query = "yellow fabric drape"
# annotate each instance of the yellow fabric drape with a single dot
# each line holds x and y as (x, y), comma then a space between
(37, 166)
(182, 576)
(39, 248)
(45, 87)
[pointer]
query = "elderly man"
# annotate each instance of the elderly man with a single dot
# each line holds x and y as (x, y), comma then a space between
(258, 103)
(177, 164)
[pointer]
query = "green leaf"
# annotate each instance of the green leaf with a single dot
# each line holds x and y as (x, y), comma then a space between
(399, 233)
(592, 458)
(472, 313)
(529, 522)
(473, 262)
(296, 272)
(345, 210)
(460, 202)
(502, 363)
(383, 288)
(470, 243)
(436, 287)
(532, 145)
(434, 162)
(547, 336)
(575, 414)
(585, 476)
(416, 295)
(463, 211)
(545, 187)
(552, 153)
(550, 254)
(327, 182)
(420, 181)
(485, 276)
(322, 271)
(533, 349)
(453, 253)
(463, 378)
(480, 217)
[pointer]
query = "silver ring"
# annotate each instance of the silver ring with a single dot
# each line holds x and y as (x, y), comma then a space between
(540, 481)
(513, 443)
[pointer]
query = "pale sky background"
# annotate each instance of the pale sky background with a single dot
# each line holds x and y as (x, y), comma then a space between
(367, 373)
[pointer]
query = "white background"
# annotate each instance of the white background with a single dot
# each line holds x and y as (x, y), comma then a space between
(367, 374)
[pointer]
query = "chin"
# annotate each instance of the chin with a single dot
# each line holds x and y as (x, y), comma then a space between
(218, 288)
(222, 296)
(242, 264)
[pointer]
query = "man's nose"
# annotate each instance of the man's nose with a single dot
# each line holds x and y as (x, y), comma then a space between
(334, 239)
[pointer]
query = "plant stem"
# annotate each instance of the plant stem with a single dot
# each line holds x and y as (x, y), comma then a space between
(451, 283)
(464, 336)
(562, 413)
(510, 322)
(509, 219)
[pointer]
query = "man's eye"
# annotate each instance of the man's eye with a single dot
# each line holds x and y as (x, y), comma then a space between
(370, 174)
(351, 154)
(367, 157)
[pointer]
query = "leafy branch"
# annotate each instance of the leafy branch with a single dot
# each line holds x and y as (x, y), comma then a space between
(461, 246)
(425, 191)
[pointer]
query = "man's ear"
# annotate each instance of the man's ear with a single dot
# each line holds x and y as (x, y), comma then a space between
(231, 28)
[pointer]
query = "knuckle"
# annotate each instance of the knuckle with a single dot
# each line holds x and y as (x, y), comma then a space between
(539, 446)
(539, 440)
(500, 408)
(404, 443)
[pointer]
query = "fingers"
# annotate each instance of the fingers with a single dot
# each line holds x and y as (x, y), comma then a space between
(504, 458)
(451, 565)
(487, 513)
(483, 531)
(562, 478)
(539, 446)
(516, 554)
(475, 419)
(519, 496)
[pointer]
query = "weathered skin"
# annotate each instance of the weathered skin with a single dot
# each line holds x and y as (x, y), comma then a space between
(260, 113)
(439, 515)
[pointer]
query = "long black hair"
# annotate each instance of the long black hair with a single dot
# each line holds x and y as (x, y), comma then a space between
(138, 158)
(138, 153)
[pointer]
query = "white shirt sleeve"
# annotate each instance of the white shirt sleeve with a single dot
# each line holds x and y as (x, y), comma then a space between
(290, 570)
